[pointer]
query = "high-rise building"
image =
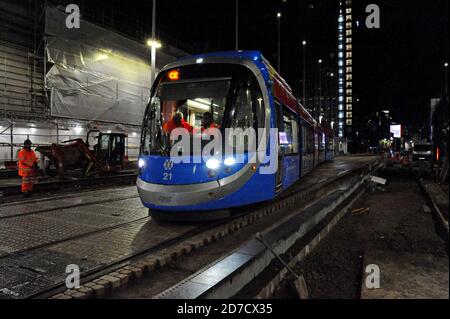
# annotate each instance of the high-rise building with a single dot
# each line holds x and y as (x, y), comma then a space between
(345, 69)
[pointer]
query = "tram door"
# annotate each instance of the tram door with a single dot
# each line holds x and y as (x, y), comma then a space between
(279, 174)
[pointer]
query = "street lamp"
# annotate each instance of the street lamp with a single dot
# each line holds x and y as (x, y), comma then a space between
(153, 44)
(304, 71)
(320, 87)
(446, 78)
(279, 46)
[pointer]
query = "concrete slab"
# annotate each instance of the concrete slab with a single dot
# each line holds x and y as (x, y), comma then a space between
(407, 276)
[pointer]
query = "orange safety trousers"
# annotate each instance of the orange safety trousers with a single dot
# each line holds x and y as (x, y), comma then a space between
(27, 159)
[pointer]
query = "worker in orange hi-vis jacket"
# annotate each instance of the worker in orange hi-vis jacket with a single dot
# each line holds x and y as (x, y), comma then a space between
(27, 167)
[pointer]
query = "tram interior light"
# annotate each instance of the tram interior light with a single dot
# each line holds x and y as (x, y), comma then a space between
(212, 163)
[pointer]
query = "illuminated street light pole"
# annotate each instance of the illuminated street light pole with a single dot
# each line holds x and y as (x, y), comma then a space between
(237, 25)
(279, 46)
(153, 45)
(320, 87)
(446, 78)
(304, 71)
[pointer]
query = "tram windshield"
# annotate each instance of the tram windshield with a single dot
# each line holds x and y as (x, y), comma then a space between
(198, 97)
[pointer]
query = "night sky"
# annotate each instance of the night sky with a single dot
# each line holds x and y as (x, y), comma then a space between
(398, 67)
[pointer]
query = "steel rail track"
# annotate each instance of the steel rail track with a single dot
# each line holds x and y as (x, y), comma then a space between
(45, 210)
(289, 193)
(56, 185)
(75, 237)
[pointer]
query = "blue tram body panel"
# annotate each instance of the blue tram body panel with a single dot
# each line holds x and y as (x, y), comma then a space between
(258, 188)
(162, 170)
(164, 185)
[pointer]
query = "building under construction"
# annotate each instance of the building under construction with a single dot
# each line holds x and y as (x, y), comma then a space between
(57, 83)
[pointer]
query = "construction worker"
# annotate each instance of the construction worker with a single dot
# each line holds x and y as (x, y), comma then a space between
(208, 121)
(27, 167)
(177, 121)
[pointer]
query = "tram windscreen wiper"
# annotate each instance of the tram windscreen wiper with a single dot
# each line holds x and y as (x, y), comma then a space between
(154, 140)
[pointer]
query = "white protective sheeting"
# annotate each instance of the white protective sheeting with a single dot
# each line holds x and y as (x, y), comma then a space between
(97, 74)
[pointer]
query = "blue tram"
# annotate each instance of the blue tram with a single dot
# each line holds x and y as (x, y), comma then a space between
(232, 90)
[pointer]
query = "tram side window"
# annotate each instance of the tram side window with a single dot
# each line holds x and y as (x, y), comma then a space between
(290, 133)
(247, 111)
(242, 114)
(321, 138)
(294, 134)
(307, 139)
(330, 145)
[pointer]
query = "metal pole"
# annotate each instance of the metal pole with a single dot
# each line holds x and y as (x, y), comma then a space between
(259, 237)
(153, 48)
(320, 89)
(446, 78)
(279, 47)
(304, 73)
(237, 25)
(12, 141)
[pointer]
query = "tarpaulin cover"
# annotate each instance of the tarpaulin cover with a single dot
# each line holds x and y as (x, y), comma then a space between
(97, 74)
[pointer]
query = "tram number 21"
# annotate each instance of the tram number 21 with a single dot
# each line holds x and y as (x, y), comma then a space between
(167, 176)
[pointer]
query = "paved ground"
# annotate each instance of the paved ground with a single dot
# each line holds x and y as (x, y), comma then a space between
(91, 229)
(38, 240)
(394, 234)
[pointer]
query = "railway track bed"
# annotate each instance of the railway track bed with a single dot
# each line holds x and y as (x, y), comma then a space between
(129, 247)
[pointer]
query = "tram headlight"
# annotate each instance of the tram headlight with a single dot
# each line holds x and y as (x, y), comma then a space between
(141, 163)
(229, 161)
(212, 163)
